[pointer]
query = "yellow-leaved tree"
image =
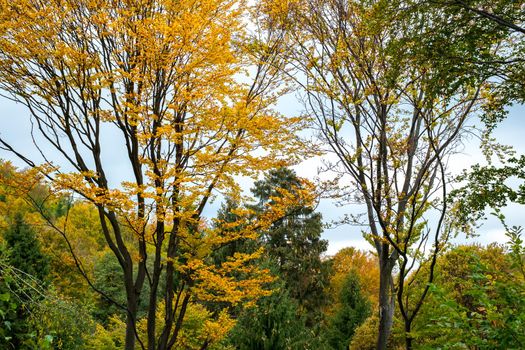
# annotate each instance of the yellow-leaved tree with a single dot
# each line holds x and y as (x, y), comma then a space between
(179, 91)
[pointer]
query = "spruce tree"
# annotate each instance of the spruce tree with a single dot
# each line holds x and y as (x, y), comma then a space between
(294, 243)
(23, 277)
(355, 308)
(24, 250)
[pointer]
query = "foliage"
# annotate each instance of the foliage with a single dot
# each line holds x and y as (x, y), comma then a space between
(274, 323)
(108, 279)
(110, 337)
(161, 77)
(15, 332)
(391, 122)
(82, 235)
(292, 251)
(293, 243)
(470, 32)
(350, 260)
(61, 323)
(488, 187)
(181, 93)
(202, 329)
(24, 270)
(195, 333)
(24, 250)
(477, 302)
(354, 309)
(365, 336)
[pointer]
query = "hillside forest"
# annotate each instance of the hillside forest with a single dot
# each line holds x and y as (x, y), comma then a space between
(156, 200)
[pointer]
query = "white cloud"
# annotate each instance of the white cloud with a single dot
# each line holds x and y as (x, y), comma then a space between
(335, 246)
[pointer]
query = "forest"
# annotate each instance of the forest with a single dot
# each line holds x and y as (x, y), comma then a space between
(156, 200)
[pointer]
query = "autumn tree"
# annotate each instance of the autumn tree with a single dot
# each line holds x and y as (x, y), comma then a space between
(390, 120)
(351, 260)
(157, 83)
(293, 249)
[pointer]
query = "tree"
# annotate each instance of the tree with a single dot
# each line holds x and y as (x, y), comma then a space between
(364, 264)
(475, 302)
(504, 14)
(85, 238)
(153, 82)
(23, 280)
(108, 278)
(60, 323)
(24, 250)
(391, 121)
(488, 187)
(293, 248)
(354, 310)
(293, 243)
(275, 323)
(472, 37)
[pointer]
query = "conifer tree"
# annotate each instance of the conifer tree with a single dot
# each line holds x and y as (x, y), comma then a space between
(355, 308)
(23, 276)
(24, 250)
(294, 243)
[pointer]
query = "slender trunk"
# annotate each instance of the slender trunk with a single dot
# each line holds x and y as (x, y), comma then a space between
(154, 285)
(130, 323)
(386, 304)
(408, 337)
(152, 312)
(178, 325)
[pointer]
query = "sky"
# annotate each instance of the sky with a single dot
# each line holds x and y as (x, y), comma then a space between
(510, 132)
(15, 128)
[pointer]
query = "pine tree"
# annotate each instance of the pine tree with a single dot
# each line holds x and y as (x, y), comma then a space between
(289, 318)
(355, 308)
(274, 324)
(24, 250)
(23, 277)
(294, 242)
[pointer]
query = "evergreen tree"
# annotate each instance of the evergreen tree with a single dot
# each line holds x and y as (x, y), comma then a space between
(23, 276)
(275, 323)
(355, 308)
(289, 318)
(108, 279)
(294, 243)
(13, 327)
(24, 250)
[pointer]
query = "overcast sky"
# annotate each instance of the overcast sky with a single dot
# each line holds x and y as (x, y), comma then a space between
(510, 132)
(15, 128)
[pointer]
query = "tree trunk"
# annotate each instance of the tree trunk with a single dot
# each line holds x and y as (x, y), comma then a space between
(130, 334)
(408, 337)
(130, 323)
(386, 304)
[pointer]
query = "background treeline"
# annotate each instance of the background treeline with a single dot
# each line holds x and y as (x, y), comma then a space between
(317, 302)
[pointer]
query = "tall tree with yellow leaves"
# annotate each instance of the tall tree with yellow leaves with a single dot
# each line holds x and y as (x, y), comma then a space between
(159, 81)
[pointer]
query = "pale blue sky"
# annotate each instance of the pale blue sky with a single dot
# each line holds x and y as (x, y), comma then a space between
(15, 128)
